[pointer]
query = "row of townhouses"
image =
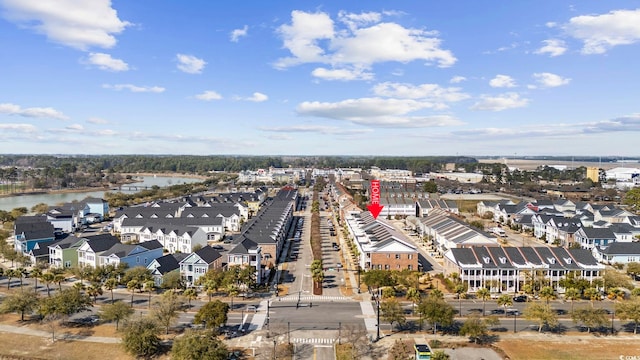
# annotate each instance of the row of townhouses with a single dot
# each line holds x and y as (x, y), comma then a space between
(595, 227)
(153, 235)
(379, 244)
(508, 269)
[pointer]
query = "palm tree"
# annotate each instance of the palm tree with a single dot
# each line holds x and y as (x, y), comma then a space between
(592, 294)
(436, 293)
(547, 293)
(58, 279)
(47, 278)
(36, 273)
(94, 290)
(149, 286)
(232, 290)
(460, 289)
(414, 295)
(484, 294)
(9, 273)
(111, 284)
(191, 294)
(210, 288)
(318, 277)
(504, 301)
(19, 272)
(79, 287)
(133, 285)
(572, 294)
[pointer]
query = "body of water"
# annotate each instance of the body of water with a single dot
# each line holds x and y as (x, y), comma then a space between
(28, 201)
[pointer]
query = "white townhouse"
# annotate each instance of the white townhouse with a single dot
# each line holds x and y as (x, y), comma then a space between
(177, 238)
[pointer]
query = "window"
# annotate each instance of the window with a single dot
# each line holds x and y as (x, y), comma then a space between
(409, 267)
(410, 256)
(137, 259)
(397, 256)
(386, 267)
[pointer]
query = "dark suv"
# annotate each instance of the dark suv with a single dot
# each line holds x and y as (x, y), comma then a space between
(520, 298)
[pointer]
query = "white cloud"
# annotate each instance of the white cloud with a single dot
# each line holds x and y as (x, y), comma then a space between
(75, 127)
(553, 47)
(621, 124)
(98, 121)
(319, 129)
(209, 95)
(438, 95)
(257, 97)
(501, 102)
(315, 38)
(377, 112)
(134, 88)
(502, 81)
(355, 21)
(106, 62)
(24, 128)
(342, 74)
(34, 112)
(548, 80)
(600, 33)
(75, 23)
(236, 34)
(106, 132)
(457, 79)
(190, 64)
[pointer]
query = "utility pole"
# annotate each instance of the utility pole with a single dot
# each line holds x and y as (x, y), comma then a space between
(515, 315)
(268, 305)
(289, 332)
(339, 328)
(378, 315)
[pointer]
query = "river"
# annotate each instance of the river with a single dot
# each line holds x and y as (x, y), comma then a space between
(28, 201)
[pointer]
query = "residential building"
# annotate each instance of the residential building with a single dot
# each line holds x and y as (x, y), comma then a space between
(163, 265)
(64, 253)
(131, 254)
(92, 247)
(590, 237)
(379, 244)
(31, 230)
(446, 231)
(618, 253)
(247, 253)
(508, 269)
(196, 264)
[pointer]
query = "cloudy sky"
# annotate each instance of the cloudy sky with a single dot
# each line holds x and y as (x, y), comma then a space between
(320, 78)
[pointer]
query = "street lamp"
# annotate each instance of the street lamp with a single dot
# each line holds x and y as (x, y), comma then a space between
(377, 299)
(515, 315)
(274, 349)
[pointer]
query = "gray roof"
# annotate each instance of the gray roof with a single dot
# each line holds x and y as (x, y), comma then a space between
(506, 258)
(170, 262)
(243, 247)
(621, 248)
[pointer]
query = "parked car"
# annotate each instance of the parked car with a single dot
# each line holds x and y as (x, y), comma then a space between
(520, 298)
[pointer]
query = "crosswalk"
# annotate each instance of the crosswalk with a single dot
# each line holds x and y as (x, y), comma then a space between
(312, 298)
(322, 341)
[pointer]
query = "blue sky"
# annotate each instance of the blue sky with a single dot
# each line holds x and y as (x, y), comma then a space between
(320, 78)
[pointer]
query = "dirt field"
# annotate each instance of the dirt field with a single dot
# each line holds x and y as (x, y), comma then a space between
(36, 347)
(568, 348)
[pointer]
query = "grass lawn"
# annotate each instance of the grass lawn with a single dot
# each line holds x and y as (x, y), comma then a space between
(569, 349)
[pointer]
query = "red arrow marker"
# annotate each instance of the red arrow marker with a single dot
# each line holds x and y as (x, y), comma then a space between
(375, 207)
